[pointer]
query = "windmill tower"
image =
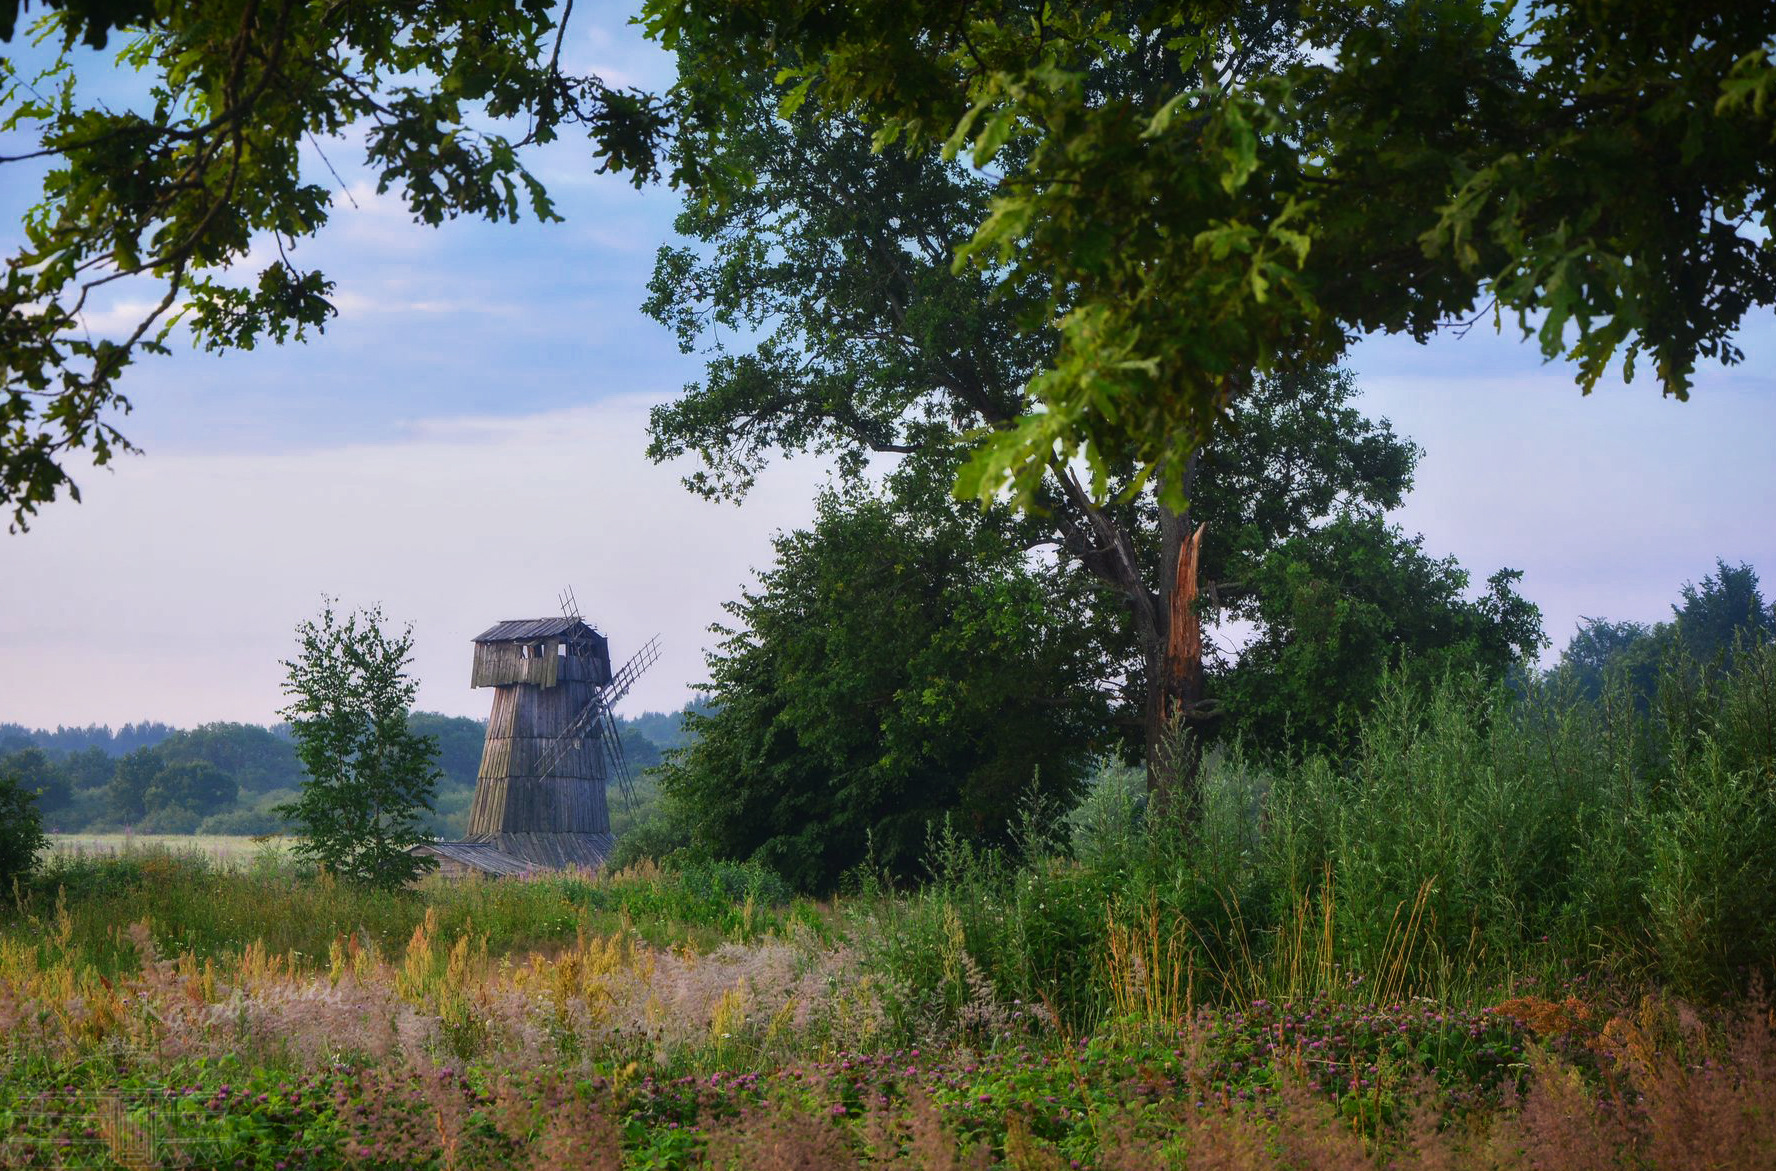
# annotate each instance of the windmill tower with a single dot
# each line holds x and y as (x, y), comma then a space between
(552, 747)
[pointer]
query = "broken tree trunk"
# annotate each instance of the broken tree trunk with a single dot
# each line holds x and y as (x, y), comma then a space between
(1178, 688)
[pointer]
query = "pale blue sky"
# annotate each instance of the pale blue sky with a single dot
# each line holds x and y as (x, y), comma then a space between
(466, 439)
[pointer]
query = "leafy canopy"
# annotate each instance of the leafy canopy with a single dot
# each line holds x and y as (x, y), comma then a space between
(1337, 609)
(1601, 173)
(1714, 622)
(169, 193)
(817, 282)
(370, 776)
(896, 668)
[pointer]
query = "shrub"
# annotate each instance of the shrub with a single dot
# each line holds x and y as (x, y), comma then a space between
(21, 832)
(370, 776)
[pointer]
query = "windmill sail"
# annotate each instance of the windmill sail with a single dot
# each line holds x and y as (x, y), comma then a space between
(595, 718)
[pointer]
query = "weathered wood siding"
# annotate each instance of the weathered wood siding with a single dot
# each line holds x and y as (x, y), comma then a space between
(523, 731)
(499, 664)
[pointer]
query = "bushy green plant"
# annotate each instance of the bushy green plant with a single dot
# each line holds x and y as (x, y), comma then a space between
(21, 831)
(899, 665)
(1479, 835)
(370, 775)
(1710, 894)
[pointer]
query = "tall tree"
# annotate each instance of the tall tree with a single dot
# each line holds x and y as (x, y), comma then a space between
(196, 786)
(898, 666)
(33, 772)
(170, 192)
(1726, 606)
(1600, 651)
(258, 759)
(1712, 620)
(821, 286)
(1335, 608)
(1601, 173)
(126, 795)
(370, 776)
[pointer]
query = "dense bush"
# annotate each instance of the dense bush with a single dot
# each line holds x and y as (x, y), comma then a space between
(895, 668)
(1479, 835)
(21, 831)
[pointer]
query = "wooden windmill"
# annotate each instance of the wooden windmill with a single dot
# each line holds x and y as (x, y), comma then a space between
(552, 746)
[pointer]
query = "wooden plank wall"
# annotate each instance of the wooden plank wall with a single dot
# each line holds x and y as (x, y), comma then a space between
(522, 730)
(498, 664)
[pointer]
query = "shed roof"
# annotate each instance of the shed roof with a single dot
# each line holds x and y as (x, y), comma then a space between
(524, 629)
(525, 853)
(483, 856)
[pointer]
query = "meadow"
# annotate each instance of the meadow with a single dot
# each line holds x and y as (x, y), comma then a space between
(216, 847)
(1509, 931)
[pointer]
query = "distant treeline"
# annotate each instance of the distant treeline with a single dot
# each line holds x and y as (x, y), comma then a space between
(227, 778)
(65, 741)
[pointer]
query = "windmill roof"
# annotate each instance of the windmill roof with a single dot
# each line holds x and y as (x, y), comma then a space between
(522, 629)
(525, 853)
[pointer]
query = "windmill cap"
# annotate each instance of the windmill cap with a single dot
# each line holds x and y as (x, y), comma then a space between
(526, 629)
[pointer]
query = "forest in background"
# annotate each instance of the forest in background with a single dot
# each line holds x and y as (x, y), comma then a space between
(227, 778)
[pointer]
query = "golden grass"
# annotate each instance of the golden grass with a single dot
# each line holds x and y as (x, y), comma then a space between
(224, 848)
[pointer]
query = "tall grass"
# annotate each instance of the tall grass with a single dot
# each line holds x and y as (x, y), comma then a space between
(216, 909)
(1274, 984)
(1478, 839)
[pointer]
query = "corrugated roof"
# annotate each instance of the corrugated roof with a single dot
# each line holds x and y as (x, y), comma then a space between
(524, 629)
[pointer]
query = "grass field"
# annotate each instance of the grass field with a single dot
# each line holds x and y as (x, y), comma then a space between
(162, 1010)
(217, 847)
(1504, 934)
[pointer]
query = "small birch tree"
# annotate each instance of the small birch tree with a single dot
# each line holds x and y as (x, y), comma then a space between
(370, 777)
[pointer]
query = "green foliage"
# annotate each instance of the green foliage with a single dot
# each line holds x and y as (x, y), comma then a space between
(1336, 607)
(128, 790)
(198, 786)
(370, 777)
(1593, 172)
(1710, 626)
(1477, 840)
(836, 259)
(88, 769)
(1724, 608)
(460, 741)
(149, 789)
(258, 759)
(172, 191)
(896, 668)
(31, 771)
(21, 829)
(69, 741)
(667, 730)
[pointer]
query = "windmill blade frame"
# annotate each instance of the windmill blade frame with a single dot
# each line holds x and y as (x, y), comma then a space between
(615, 753)
(596, 717)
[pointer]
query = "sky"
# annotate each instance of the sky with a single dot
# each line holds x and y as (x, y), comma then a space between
(466, 440)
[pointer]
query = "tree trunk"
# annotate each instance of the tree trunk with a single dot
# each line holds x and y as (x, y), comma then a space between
(1166, 625)
(1175, 689)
